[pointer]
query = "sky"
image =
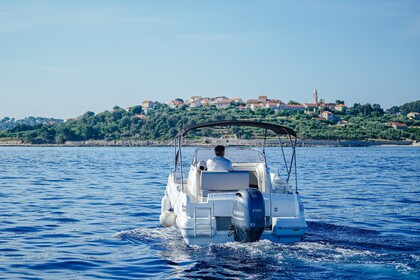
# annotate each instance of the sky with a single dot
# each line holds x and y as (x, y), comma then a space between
(64, 58)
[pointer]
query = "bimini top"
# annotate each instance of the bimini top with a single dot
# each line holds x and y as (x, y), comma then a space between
(278, 129)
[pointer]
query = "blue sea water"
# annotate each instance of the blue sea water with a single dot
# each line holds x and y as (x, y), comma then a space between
(92, 213)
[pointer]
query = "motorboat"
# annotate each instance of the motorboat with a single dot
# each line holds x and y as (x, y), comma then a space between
(250, 202)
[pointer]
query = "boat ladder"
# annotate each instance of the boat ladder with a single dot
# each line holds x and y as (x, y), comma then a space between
(202, 221)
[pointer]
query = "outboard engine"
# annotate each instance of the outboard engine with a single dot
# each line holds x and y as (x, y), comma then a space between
(248, 215)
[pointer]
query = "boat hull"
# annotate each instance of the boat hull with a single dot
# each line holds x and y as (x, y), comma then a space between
(208, 221)
(283, 236)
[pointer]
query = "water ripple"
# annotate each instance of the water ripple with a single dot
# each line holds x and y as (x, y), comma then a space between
(92, 213)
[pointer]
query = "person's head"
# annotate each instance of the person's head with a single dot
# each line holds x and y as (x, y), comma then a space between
(219, 151)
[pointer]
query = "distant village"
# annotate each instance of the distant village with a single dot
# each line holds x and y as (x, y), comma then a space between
(317, 108)
(262, 102)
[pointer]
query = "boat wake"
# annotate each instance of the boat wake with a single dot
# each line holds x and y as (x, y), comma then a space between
(147, 235)
(326, 249)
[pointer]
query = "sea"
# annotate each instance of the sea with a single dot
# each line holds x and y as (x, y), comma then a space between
(93, 213)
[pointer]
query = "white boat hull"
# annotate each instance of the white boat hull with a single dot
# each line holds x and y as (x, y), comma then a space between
(208, 221)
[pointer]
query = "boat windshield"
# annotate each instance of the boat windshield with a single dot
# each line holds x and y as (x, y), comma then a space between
(234, 154)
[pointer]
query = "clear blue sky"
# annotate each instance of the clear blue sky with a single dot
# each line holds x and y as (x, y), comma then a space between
(63, 58)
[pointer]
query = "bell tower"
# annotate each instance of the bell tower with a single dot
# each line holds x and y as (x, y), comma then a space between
(315, 96)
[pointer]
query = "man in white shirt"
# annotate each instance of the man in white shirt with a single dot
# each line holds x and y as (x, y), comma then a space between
(219, 163)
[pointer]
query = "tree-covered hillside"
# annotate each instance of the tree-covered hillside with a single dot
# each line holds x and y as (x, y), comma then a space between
(406, 108)
(9, 123)
(362, 123)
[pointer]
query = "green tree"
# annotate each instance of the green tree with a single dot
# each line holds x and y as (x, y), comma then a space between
(135, 110)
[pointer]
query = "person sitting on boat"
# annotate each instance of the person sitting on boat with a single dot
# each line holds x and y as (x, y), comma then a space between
(219, 163)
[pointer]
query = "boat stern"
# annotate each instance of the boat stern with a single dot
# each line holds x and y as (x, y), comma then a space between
(287, 229)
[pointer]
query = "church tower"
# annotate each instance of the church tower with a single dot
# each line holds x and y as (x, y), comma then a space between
(315, 97)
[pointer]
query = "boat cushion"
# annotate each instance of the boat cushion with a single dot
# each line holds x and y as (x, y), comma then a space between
(224, 181)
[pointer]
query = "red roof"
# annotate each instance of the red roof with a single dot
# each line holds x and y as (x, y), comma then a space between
(140, 116)
(398, 124)
(225, 101)
(253, 101)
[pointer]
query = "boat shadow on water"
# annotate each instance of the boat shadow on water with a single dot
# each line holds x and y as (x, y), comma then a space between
(327, 250)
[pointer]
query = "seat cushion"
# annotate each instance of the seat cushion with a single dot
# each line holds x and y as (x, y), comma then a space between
(224, 180)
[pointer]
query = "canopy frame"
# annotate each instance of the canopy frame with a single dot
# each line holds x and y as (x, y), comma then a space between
(277, 129)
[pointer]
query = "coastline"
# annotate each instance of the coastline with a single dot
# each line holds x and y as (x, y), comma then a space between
(214, 141)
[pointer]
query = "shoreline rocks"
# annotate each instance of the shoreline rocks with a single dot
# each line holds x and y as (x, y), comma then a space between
(214, 141)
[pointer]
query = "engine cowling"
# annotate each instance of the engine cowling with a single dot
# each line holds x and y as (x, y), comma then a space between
(248, 215)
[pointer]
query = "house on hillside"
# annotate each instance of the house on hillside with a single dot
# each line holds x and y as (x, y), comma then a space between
(223, 104)
(294, 107)
(340, 108)
(263, 98)
(220, 98)
(398, 125)
(272, 105)
(140, 116)
(194, 101)
(255, 106)
(413, 116)
(237, 100)
(205, 101)
(310, 108)
(148, 105)
(249, 101)
(177, 103)
(326, 115)
(263, 102)
(322, 105)
(214, 100)
(341, 122)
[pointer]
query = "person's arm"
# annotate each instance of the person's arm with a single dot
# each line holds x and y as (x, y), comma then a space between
(229, 165)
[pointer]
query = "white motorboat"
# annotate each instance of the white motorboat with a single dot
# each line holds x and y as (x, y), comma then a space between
(246, 204)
